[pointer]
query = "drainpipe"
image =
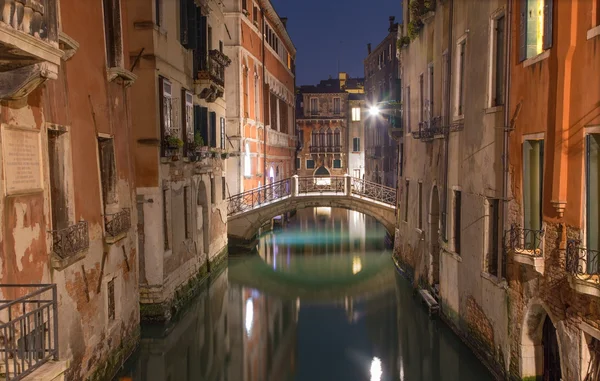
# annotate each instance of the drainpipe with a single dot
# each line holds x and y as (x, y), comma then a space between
(507, 129)
(262, 12)
(448, 112)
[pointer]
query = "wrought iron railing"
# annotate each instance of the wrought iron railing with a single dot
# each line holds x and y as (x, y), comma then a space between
(215, 68)
(258, 196)
(581, 262)
(70, 241)
(325, 149)
(321, 184)
(28, 328)
(117, 223)
(530, 241)
(374, 191)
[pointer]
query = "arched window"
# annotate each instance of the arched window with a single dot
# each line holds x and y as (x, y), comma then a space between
(245, 71)
(322, 138)
(247, 162)
(337, 138)
(329, 137)
(314, 136)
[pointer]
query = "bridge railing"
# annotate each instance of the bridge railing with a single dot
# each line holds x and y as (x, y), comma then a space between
(374, 191)
(321, 184)
(255, 197)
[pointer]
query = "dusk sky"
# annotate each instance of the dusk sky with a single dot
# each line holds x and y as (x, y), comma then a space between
(325, 30)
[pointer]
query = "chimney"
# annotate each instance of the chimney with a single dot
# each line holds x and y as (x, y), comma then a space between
(392, 19)
(284, 21)
(369, 47)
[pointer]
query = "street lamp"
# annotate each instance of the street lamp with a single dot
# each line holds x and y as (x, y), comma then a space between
(374, 111)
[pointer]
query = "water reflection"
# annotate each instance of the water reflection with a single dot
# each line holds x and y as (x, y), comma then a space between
(321, 300)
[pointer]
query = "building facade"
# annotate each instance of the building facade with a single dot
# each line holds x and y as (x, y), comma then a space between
(381, 87)
(356, 135)
(180, 146)
(260, 95)
(68, 197)
(498, 178)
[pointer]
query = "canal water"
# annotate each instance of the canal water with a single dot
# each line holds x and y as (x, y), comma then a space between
(319, 299)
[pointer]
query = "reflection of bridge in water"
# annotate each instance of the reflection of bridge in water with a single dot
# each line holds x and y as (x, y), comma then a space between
(249, 210)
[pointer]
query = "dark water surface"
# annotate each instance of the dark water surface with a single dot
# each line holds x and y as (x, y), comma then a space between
(321, 300)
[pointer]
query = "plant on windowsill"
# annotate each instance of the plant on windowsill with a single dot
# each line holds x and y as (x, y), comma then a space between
(418, 9)
(224, 155)
(173, 142)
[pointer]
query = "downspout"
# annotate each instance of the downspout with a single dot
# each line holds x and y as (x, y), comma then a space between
(505, 146)
(262, 12)
(447, 132)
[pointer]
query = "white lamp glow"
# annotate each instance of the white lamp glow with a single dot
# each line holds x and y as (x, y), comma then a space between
(376, 371)
(374, 111)
(249, 315)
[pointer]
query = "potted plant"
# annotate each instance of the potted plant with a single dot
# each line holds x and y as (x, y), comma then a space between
(173, 142)
(199, 143)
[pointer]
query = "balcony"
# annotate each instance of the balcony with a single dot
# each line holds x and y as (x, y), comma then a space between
(583, 266)
(326, 149)
(69, 244)
(29, 329)
(117, 225)
(29, 46)
(210, 83)
(430, 129)
(527, 247)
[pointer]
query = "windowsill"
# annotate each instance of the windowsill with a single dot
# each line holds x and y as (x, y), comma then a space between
(68, 45)
(459, 118)
(500, 283)
(540, 57)
(119, 72)
(595, 31)
(454, 255)
(494, 109)
(61, 264)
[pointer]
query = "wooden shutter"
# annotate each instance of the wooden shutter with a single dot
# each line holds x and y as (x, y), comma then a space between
(213, 129)
(523, 30)
(548, 19)
(222, 132)
(192, 24)
(201, 41)
(161, 101)
(201, 122)
(184, 30)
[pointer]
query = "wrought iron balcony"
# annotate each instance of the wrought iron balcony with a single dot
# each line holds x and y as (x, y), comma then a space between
(325, 149)
(211, 74)
(117, 224)
(29, 329)
(70, 241)
(526, 241)
(29, 45)
(583, 265)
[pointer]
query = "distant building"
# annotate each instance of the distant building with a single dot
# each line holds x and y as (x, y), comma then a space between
(381, 86)
(260, 95)
(325, 139)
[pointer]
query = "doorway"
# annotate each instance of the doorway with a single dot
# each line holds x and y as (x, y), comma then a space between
(552, 371)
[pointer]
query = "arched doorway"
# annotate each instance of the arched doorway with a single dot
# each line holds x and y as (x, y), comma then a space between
(434, 247)
(321, 171)
(551, 355)
(540, 345)
(322, 175)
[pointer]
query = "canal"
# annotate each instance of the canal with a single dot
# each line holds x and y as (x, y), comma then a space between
(320, 299)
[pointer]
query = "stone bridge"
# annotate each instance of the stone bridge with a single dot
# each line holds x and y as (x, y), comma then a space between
(248, 211)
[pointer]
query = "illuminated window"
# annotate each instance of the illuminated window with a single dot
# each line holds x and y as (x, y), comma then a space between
(535, 27)
(355, 114)
(592, 190)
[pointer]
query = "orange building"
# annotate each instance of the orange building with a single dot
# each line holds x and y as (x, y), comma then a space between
(259, 89)
(553, 178)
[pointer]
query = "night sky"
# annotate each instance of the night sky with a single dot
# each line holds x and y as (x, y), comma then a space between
(325, 30)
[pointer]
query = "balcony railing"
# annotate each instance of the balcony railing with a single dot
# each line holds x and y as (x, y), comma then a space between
(325, 149)
(211, 74)
(374, 191)
(527, 241)
(118, 223)
(583, 263)
(29, 328)
(255, 197)
(70, 241)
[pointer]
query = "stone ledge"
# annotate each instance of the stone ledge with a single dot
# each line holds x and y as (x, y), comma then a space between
(50, 371)
(584, 286)
(525, 258)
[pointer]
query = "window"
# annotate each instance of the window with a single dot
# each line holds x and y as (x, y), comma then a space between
(337, 163)
(222, 132)
(430, 85)
(213, 191)
(247, 162)
(445, 86)
(421, 100)
(188, 25)
(406, 189)
(223, 188)
(213, 129)
(457, 220)
(283, 116)
(111, 299)
(493, 216)
(108, 172)
(337, 139)
(408, 108)
(401, 159)
(497, 65)
(356, 114)
(314, 106)
(187, 124)
(310, 164)
(112, 32)
(535, 27)
(297, 163)
(166, 109)
(336, 106)
(533, 163)
(356, 173)
(201, 123)
(158, 12)
(420, 195)
(274, 116)
(592, 195)
(461, 76)
(58, 189)
(186, 211)
(255, 14)
(166, 218)
(356, 144)
(256, 95)
(244, 5)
